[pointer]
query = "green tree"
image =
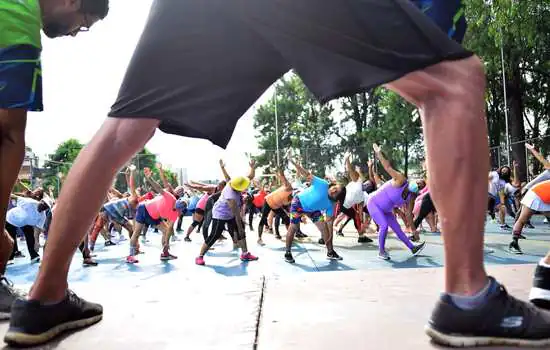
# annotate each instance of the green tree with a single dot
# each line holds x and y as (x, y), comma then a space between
(304, 125)
(60, 162)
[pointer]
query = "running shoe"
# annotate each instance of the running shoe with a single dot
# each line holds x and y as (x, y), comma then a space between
(35, 260)
(321, 241)
(175, 238)
(505, 227)
(384, 256)
(414, 239)
(248, 257)
(289, 258)
(333, 256)
(8, 294)
(364, 239)
(299, 234)
(417, 249)
(10, 262)
(89, 262)
(109, 243)
(131, 259)
(261, 242)
(199, 260)
(340, 233)
(540, 292)
(33, 323)
(514, 248)
(167, 256)
(529, 225)
(187, 239)
(278, 236)
(502, 320)
(18, 254)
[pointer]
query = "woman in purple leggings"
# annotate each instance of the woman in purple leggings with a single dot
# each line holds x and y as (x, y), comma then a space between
(392, 194)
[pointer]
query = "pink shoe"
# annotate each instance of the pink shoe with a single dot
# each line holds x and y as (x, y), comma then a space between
(167, 256)
(199, 260)
(131, 259)
(248, 257)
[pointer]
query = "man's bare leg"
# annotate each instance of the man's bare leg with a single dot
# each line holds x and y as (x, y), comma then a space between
(12, 153)
(450, 96)
(115, 142)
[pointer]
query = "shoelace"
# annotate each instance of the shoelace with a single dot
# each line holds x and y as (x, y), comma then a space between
(74, 299)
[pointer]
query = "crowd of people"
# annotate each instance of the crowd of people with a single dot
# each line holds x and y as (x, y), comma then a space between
(196, 70)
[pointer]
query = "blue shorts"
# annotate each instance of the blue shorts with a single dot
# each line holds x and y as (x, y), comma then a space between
(20, 78)
(297, 212)
(447, 14)
(143, 217)
(115, 216)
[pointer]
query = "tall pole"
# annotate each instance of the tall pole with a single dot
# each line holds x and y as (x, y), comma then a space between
(505, 97)
(276, 127)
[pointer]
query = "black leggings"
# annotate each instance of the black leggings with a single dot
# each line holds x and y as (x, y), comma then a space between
(29, 238)
(251, 211)
(178, 225)
(280, 214)
(426, 207)
(217, 229)
(206, 223)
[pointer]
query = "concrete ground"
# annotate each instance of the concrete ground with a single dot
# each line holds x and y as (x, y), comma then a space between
(358, 303)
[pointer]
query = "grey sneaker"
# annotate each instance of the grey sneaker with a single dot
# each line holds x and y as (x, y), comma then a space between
(503, 320)
(418, 248)
(8, 294)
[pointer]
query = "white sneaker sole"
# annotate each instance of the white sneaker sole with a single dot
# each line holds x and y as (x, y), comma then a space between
(458, 341)
(18, 338)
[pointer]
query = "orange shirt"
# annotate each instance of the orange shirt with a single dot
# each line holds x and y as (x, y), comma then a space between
(278, 198)
(542, 190)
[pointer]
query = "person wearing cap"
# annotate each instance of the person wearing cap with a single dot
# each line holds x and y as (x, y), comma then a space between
(226, 211)
(26, 215)
(152, 212)
(317, 202)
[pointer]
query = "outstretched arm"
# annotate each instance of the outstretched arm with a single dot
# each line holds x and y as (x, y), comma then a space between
(301, 171)
(516, 183)
(352, 173)
(225, 174)
(282, 178)
(165, 182)
(396, 176)
(539, 156)
(252, 172)
(200, 187)
(149, 177)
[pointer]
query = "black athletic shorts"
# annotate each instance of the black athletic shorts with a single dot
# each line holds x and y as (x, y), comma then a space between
(200, 65)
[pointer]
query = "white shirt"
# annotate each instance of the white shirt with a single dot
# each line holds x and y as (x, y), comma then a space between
(26, 214)
(510, 189)
(496, 185)
(354, 194)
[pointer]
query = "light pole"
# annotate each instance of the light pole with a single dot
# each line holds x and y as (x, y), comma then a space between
(505, 97)
(276, 126)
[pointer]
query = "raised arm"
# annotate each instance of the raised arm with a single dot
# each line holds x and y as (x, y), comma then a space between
(252, 172)
(539, 156)
(115, 192)
(225, 174)
(373, 176)
(282, 178)
(515, 182)
(131, 181)
(200, 187)
(301, 171)
(165, 182)
(149, 177)
(25, 187)
(396, 176)
(352, 173)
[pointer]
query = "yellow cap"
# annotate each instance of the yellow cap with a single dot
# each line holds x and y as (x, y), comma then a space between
(239, 183)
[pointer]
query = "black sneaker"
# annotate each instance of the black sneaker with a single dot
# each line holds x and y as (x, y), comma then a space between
(18, 254)
(321, 241)
(187, 239)
(32, 323)
(8, 294)
(299, 234)
(414, 239)
(520, 236)
(109, 243)
(514, 248)
(340, 233)
(364, 239)
(418, 248)
(540, 292)
(89, 262)
(333, 256)
(529, 225)
(289, 258)
(505, 227)
(278, 236)
(503, 320)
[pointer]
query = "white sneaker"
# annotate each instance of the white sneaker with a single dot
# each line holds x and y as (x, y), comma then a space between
(260, 242)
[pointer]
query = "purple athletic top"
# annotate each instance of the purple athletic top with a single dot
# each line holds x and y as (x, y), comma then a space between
(388, 197)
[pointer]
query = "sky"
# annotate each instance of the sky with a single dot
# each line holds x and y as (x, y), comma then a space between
(81, 78)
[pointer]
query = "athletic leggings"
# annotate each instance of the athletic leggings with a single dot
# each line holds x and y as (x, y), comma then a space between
(426, 207)
(206, 223)
(352, 214)
(28, 231)
(217, 229)
(280, 214)
(491, 204)
(178, 225)
(251, 211)
(385, 220)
